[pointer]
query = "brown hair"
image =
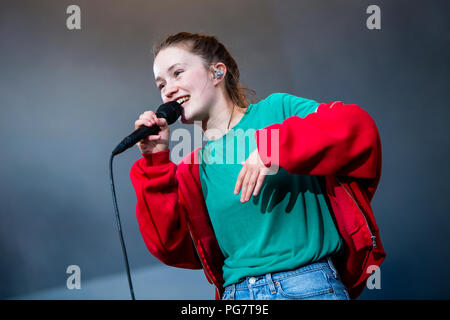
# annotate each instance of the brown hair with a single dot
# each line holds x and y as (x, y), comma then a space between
(211, 51)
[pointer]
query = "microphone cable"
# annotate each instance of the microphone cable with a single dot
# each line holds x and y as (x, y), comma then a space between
(119, 226)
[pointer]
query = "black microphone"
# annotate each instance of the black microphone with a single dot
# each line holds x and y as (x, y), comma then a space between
(170, 111)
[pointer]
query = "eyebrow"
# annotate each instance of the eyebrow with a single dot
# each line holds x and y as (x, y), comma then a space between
(168, 70)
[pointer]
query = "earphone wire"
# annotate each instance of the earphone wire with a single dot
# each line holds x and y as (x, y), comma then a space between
(229, 121)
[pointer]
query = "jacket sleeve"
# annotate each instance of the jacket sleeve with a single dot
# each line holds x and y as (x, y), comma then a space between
(160, 211)
(337, 139)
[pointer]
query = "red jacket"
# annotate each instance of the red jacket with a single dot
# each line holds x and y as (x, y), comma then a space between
(339, 143)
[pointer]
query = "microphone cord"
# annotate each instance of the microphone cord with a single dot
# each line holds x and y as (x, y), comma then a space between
(119, 227)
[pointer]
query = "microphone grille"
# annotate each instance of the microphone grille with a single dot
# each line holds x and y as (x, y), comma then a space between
(171, 111)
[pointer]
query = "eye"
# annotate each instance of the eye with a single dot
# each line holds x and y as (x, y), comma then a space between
(160, 86)
(176, 73)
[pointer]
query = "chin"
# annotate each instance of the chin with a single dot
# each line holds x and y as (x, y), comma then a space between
(186, 121)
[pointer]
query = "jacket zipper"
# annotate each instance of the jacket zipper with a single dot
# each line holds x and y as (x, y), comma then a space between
(372, 236)
(200, 258)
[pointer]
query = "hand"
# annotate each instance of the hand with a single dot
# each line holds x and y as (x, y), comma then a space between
(153, 143)
(251, 176)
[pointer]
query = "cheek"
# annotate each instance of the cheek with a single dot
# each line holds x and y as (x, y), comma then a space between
(200, 88)
(197, 81)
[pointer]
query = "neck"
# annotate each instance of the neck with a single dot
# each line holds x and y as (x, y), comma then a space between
(223, 116)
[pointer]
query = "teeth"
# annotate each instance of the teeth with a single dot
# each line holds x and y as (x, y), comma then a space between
(183, 99)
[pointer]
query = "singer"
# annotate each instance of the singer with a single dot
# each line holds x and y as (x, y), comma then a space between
(305, 232)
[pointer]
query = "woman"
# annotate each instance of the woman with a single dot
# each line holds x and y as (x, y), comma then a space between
(259, 223)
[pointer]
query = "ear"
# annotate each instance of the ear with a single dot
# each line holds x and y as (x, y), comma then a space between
(215, 68)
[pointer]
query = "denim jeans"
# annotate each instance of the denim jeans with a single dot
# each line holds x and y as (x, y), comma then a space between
(316, 281)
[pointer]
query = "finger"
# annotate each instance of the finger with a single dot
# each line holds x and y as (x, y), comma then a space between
(162, 122)
(251, 185)
(154, 137)
(239, 181)
(149, 113)
(245, 185)
(259, 184)
(142, 122)
(145, 115)
(138, 123)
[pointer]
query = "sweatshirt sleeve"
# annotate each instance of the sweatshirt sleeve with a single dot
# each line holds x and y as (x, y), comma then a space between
(337, 139)
(160, 211)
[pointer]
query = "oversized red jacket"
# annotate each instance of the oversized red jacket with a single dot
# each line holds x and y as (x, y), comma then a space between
(338, 142)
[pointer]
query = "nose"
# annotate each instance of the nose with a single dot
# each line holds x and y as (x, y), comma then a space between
(170, 90)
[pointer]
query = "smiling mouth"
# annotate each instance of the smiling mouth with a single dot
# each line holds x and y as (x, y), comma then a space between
(183, 99)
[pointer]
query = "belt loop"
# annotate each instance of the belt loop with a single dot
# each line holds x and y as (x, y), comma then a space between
(270, 282)
(233, 291)
(330, 263)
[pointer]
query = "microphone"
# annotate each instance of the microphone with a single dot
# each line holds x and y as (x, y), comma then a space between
(170, 111)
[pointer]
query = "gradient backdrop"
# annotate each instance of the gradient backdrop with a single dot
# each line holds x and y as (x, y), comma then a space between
(68, 97)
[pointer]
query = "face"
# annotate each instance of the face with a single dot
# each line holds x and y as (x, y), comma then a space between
(179, 73)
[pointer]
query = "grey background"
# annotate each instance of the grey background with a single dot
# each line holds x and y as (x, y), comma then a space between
(68, 97)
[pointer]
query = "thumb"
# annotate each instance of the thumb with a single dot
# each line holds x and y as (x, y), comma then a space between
(162, 122)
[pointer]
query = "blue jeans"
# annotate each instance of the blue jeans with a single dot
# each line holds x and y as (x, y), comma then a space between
(316, 281)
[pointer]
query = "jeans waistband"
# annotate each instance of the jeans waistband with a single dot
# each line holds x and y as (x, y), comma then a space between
(270, 278)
